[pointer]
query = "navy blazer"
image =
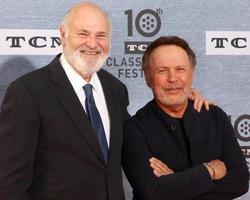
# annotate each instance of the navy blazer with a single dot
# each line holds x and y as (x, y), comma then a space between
(153, 133)
(48, 147)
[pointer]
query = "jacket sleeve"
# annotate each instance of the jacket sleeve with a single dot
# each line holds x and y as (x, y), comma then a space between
(19, 127)
(182, 185)
(236, 181)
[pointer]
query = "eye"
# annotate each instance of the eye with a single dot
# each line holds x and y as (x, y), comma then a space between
(82, 34)
(181, 69)
(102, 35)
(161, 71)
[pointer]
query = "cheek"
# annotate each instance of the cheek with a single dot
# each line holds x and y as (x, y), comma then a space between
(188, 84)
(158, 83)
(161, 81)
(105, 45)
(76, 41)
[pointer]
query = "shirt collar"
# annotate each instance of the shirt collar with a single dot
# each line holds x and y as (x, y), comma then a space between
(75, 79)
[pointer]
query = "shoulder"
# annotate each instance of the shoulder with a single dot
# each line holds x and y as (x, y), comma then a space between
(138, 126)
(34, 76)
(43, 73)
(216, 116)
(214, 111)
(35, 80)
(111, 79)
(30, 79)
(143, 116)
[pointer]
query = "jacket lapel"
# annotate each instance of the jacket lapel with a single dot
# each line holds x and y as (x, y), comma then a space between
(69, 100)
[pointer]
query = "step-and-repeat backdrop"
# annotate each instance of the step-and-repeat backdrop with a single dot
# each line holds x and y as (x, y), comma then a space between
(218, 31)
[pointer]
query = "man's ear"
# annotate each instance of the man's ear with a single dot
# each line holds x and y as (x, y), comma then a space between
(147, 77)
(62, 34)
(193, 75)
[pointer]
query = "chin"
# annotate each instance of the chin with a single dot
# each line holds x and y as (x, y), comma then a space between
(168, 101)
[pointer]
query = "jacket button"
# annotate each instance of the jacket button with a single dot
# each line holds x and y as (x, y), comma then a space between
(172, 127)
(179, 154)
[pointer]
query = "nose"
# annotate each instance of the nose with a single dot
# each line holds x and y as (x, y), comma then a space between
(91, 42)
(172, 76)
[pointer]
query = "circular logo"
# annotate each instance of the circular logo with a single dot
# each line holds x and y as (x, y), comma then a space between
(148, 23)
(242, 127)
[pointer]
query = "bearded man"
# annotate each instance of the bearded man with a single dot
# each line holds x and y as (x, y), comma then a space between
(50, 147)
(194, 156)
(61, 125)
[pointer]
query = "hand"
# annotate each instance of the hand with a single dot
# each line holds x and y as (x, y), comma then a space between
(199, 100)
(159, 168)
(217, 169)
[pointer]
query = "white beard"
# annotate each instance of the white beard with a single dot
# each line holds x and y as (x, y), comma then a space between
(83, 66)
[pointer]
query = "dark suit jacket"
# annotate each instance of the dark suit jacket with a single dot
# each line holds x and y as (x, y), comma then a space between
(48, 148)
(151, 132)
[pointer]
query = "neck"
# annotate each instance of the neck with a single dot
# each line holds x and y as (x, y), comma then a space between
(78, 70)
(86, 78)
(176, 111)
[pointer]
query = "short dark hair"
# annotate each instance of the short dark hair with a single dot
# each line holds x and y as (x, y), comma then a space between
(168, 40)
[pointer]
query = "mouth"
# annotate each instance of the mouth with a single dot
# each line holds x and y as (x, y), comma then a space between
(173, 90)
(90, 53)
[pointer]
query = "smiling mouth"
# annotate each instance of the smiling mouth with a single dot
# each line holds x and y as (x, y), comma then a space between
(91, 53)
(173, 90)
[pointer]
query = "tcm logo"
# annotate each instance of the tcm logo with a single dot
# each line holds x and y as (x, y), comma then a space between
(242, 131)
(242, 128)
(146, 23)
(29, 42)
(135, 47)
(227, 43)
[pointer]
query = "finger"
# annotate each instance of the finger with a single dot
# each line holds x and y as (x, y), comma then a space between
(206, 103)
(156, 173)
(191, 95)
(161, 168)
(200, 104)
(197, 103)
(156, 167)
(158, 164)
(170, 171)
(155, 160)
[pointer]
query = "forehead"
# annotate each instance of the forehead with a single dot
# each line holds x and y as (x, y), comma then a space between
(169, 54)
(89, 18)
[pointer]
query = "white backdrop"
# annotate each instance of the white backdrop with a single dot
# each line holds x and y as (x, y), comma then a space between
(218, 31)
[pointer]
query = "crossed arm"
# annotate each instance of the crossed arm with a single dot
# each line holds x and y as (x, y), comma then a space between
(225, 177)
(216, 168)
